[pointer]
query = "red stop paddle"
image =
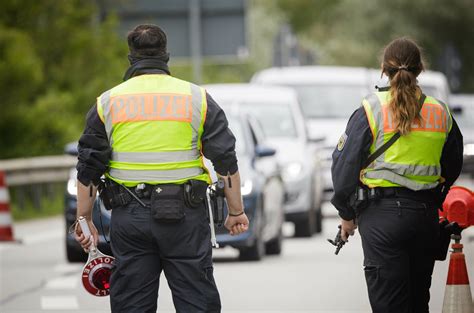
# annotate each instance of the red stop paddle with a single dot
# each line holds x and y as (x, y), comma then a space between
(97, 270)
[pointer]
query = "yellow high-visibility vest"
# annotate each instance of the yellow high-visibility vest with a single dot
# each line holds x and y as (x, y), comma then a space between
(154, 125)
(413, 161)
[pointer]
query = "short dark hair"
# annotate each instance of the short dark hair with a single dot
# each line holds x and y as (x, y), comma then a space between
(147, 40)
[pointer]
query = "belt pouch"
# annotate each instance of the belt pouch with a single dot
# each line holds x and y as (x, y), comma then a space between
(112, 195)
(359, 200)
(167, 203)
(195, 193)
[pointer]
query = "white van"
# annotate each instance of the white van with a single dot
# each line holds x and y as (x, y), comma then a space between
(432, 83)
(328, 95)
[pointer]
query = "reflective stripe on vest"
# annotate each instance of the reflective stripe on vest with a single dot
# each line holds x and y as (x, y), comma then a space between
(153, 157)
(150, 176)
(402, 164)
(154, 125)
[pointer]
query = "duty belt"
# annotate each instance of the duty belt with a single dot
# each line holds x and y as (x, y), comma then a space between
(114, 194)
(394, 192)
(143, 191)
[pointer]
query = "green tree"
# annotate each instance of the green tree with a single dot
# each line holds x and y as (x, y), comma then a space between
(55, 58)
(354, 32)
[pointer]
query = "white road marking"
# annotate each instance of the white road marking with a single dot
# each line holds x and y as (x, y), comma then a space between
(68, 267)
(33, 238)
(62, 283)
(43, 236)
(59, 303)
(7, 244)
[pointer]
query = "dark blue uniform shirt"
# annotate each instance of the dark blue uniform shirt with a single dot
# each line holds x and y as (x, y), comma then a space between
(347, 162)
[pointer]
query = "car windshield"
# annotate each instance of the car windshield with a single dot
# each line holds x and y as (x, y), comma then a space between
(235, 125)
(434, 91)
(276, 119)
(329, 101)
(430, 91)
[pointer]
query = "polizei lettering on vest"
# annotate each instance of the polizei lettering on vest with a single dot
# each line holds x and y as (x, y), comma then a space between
(433, 119)
(151, 107)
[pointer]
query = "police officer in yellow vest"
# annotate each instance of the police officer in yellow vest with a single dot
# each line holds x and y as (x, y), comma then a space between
(148, 136)
(394, 200)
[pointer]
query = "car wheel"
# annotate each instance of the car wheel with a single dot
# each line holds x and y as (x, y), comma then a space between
(305, 228)
(257, 250)
(74, 255)
(319, 220)
(253, 253)
(273, 247)
(317, 206)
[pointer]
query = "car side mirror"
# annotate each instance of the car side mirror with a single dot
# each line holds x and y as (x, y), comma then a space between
(71, 149)
(456, 109)
(261, 151)
(316, 139)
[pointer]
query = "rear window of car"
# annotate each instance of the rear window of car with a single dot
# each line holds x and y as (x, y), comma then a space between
(275, 118)
(321, 101)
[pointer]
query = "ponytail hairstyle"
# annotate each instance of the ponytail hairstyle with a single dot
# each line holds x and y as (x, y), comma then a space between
(402, 63)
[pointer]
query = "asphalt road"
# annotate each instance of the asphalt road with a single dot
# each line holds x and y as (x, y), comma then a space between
(307, 277)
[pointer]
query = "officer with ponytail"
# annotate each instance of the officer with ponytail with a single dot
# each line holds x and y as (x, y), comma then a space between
(392, 168)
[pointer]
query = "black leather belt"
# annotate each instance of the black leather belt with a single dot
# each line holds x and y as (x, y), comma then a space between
(144, 191)
(394, 192)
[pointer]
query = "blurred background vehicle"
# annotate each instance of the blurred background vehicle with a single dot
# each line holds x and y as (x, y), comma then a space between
(327, 95)
(262, 192)
(462, 107)
(100, 217)
(432, 83)
(278, 112)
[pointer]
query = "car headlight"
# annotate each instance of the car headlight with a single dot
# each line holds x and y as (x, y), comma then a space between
(72, 182)
(469, 149)
(72, 186)
(246, 187)
(292, 171)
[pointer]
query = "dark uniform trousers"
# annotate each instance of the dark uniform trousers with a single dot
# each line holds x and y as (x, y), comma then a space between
(143, 247)
(399, 237)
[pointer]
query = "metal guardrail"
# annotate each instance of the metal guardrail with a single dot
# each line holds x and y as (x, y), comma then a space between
(38, 170)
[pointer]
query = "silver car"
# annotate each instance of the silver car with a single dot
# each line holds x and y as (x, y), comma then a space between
(432, 83)
(278, 111)
(328, 95)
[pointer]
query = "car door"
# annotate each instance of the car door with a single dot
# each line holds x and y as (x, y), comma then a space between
(273, 192)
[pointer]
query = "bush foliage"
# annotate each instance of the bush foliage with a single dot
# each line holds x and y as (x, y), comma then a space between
(55, 58)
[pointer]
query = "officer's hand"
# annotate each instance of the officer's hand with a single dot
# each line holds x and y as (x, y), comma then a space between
(83, 241)
(237, 224)
(347, 229)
